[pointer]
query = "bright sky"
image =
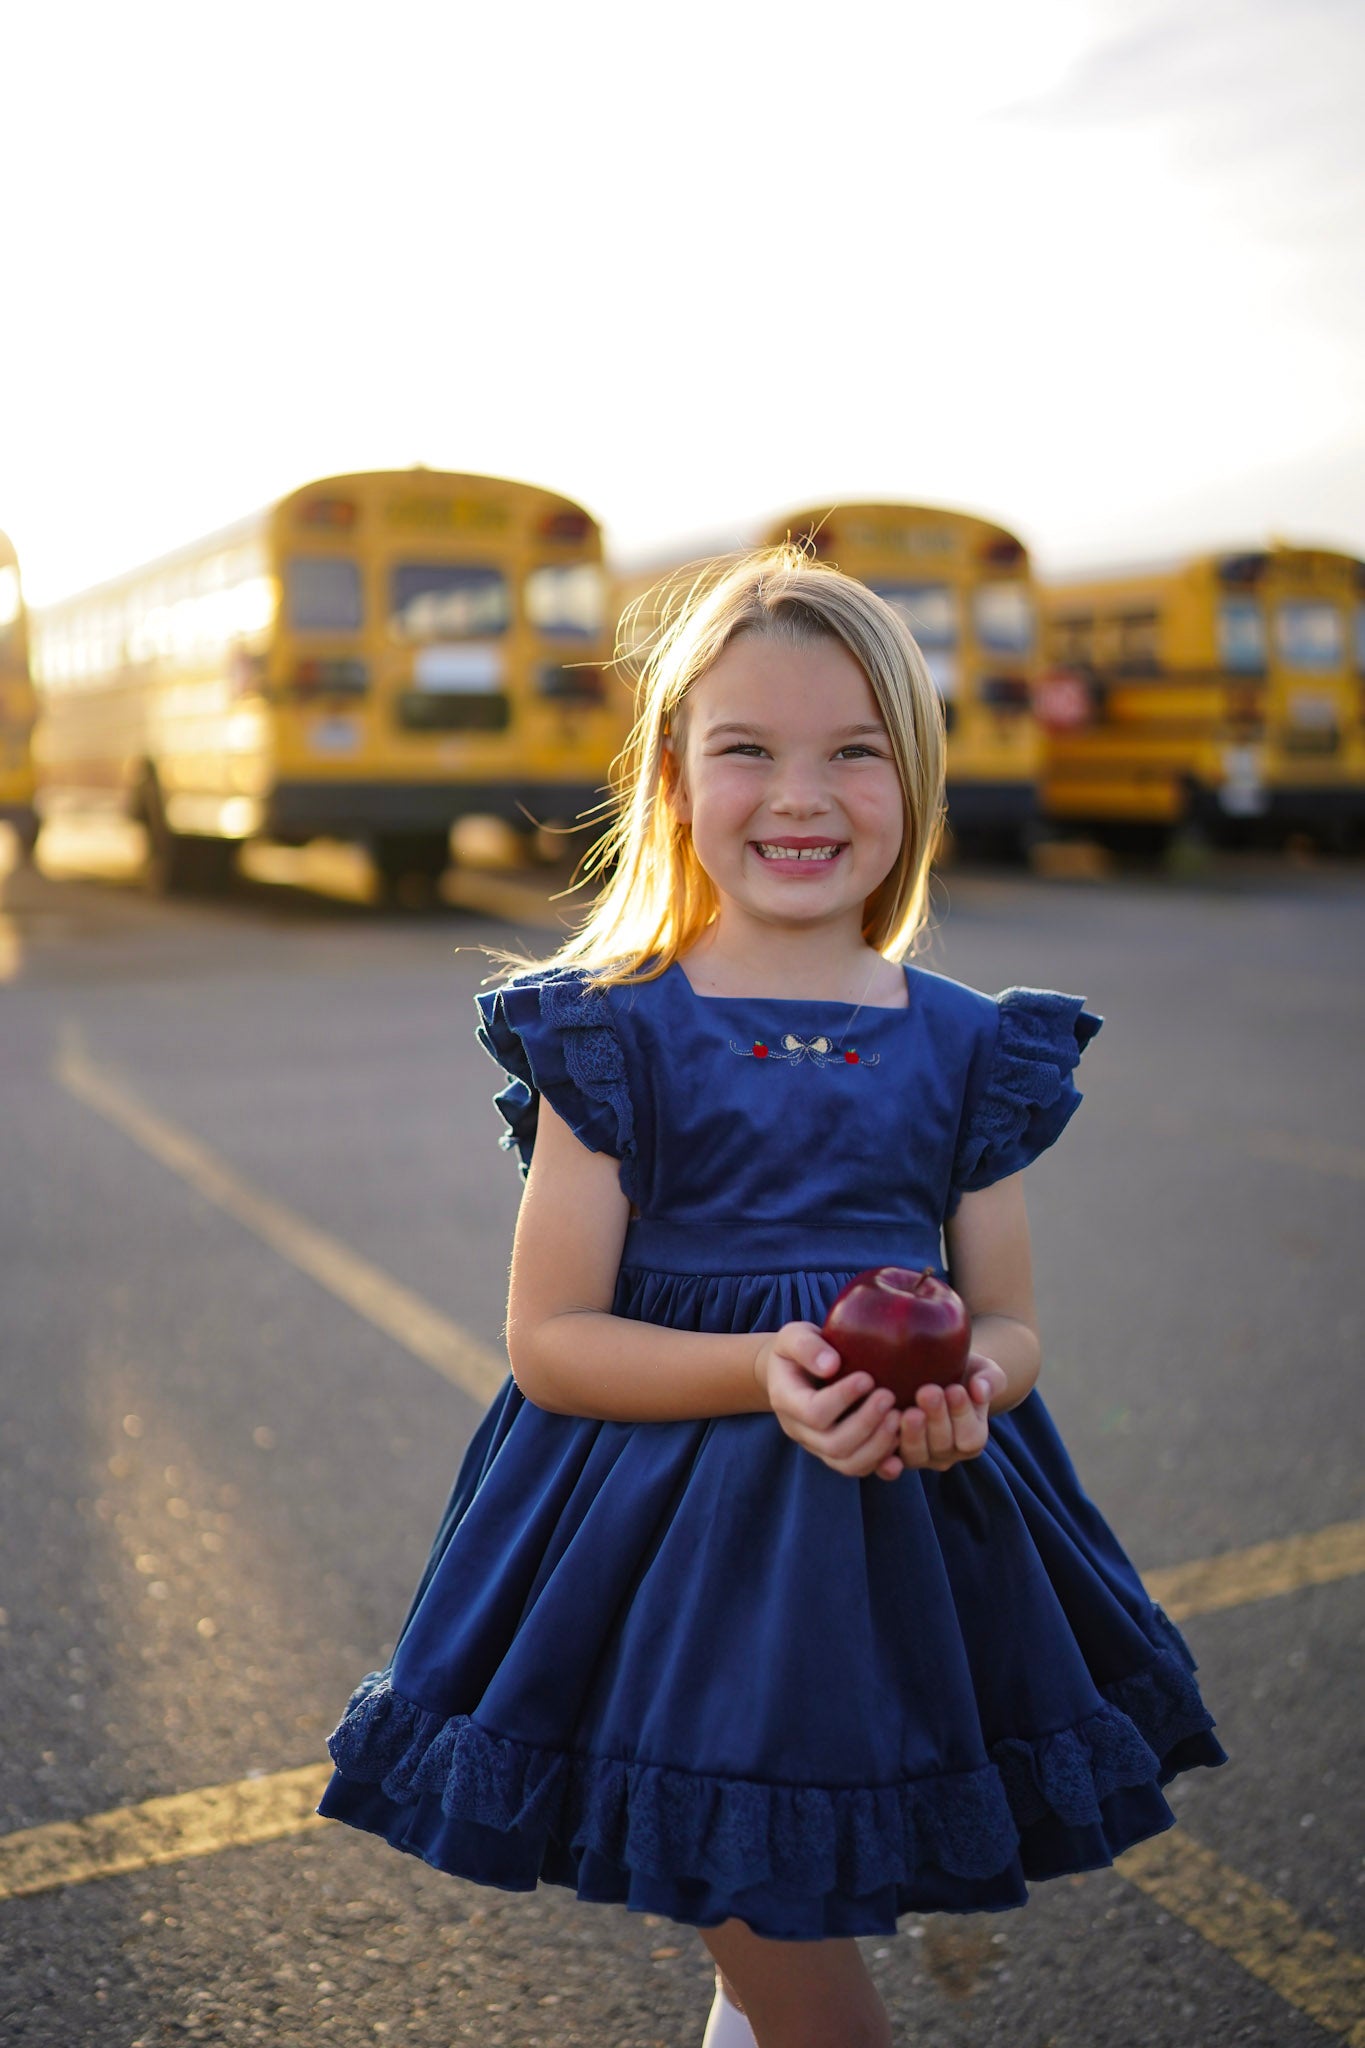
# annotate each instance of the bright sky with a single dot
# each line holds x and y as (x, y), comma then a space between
(1093, 267)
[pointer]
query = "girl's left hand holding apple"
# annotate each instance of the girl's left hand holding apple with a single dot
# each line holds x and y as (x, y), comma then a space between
(947, 1425)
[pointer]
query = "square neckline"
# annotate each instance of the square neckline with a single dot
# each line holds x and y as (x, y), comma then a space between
(805, 1002)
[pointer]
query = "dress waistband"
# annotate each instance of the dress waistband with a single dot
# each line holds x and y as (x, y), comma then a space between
(665, 1246)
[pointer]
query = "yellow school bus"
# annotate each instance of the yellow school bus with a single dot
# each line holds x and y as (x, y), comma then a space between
(1221, 693)
(16, 705)
(372, 658)
(966, 589)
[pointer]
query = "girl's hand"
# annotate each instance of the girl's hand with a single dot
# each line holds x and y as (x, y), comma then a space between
(852, 1426)
(949, 1424)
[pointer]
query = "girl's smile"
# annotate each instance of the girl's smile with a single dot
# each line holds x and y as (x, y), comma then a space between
(786, 776)
(797, 854)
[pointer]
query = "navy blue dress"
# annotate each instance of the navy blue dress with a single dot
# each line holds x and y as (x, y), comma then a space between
(685, 1665)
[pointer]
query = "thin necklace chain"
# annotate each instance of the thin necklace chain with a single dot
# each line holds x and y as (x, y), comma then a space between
(857, 1008)
(859, 1004)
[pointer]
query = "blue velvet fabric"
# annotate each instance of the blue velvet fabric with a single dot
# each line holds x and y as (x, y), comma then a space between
(687, 1667)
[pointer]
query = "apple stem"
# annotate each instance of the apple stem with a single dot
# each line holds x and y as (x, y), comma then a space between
(919, 1285)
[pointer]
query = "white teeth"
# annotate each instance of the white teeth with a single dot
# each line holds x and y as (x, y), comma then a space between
(771, 852)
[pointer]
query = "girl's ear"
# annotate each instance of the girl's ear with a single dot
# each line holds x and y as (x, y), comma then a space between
(675, 781)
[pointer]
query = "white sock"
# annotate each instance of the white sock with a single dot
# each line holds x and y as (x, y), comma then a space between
(727, 2026)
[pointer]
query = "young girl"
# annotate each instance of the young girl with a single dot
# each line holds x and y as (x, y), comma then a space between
(704, 1631)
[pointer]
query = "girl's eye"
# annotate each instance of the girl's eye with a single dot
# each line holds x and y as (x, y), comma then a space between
(855, 748)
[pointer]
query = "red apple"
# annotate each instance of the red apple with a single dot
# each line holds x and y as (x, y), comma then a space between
(908, 1329)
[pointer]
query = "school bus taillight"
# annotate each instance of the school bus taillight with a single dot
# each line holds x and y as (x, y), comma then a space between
(819, 540)
(1002, 551)
(322, 677)
(565, 525)
(572, 682)
(328, 515)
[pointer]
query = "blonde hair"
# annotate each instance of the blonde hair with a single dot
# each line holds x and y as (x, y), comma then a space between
(657, 898)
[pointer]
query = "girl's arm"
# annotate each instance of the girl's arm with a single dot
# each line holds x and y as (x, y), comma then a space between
(568, 1352)
(572, 1356)
(991, 1263)
(990, 1259)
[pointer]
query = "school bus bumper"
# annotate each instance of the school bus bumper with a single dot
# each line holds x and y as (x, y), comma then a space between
(1325, 804)
(991, 806)
(354, 809)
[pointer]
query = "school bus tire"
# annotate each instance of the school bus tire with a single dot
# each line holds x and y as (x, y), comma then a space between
(554, 842)
(1136, 838)
(1006, 843)
(193, 866)
(26, 827)
(1008, 846)
(409, 863)
(181, 863)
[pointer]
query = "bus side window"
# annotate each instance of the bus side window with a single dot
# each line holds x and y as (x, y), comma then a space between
(1136, 653)
(1075, 638)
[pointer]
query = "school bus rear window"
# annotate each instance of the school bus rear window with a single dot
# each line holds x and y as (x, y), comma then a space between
(1308, 635)
(1004, 618)
(929, 609)
(448, 601)
(566, 600)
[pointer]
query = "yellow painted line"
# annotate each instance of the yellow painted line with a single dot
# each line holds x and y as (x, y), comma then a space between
(1259, 1932)
(1259, 1572)
(161, 1831)
(1305, 1968)
(382, 1301)
(1318, 1155)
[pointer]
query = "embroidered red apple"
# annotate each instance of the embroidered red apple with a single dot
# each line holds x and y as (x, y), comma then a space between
(907, 1329)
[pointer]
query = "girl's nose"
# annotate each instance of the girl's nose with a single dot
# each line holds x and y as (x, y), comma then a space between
(799, 792)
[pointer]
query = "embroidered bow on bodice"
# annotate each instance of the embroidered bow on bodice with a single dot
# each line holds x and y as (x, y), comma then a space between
(821, 1052)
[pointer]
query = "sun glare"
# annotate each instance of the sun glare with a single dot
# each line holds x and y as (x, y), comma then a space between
(1026, 263)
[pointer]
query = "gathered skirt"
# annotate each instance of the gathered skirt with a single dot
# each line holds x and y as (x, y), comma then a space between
(687, 1668)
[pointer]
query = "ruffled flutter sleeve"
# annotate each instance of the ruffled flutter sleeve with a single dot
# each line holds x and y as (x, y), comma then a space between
(555, 1037)
(1026, 1096)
